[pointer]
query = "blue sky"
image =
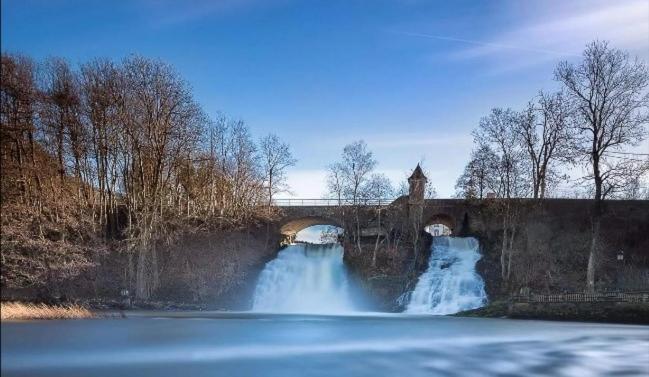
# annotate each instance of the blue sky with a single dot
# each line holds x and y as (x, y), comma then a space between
(410, 77)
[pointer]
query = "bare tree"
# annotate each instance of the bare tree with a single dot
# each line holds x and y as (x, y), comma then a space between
(608, 94)
(102, 96)
(330, 234)
(356, 165)
(17, 129)
(543, 131)
(162, 123)
(335, 181)
(352, 172)
(235, 186)
(276, 157)
(499, 132)
(378, 186)
(479, 176)
(61, 113)
(139, 156)
(638, 185)
(402, 189)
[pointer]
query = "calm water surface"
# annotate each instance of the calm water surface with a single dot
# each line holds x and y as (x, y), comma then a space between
(246, 344)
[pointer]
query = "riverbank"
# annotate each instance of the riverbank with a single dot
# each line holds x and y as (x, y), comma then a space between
(624, 313)
(12, 311)
(627, 313)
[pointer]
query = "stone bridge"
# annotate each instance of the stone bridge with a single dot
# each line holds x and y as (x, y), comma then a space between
(559, 228)
(298, 214)
(462, 217)
(626, 222)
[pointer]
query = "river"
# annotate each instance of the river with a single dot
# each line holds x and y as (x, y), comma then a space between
(256, 344)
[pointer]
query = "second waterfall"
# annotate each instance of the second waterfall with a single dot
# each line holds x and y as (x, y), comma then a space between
(451, 283)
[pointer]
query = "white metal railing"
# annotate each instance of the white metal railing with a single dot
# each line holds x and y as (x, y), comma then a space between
(331, 202)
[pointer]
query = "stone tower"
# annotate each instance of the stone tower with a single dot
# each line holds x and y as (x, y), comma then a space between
(416, 200)
(417, 182)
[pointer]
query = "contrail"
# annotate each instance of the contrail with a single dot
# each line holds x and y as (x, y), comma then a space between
(487, 44)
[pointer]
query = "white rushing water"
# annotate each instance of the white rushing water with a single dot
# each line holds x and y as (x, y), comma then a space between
(304, 278)
(451, 283)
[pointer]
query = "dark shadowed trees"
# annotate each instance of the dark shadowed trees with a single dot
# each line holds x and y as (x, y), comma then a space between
(608, 94)
(479, 176)
(18, 101)
(62, 118)
(103, 97)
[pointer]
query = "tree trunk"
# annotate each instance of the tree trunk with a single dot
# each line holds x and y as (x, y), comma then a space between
(595, 232)
(376, 244)
(358, 232)
(594, 247)
(503, 250)
(141, 281)
(510, 250)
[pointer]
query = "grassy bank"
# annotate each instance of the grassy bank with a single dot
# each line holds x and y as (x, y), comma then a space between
(23, 311)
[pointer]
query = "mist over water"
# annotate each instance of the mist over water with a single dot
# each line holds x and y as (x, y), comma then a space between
(208, 344)
(305, 278)
(451, 283)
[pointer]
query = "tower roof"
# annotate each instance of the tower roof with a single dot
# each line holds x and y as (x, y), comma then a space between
(418, 173)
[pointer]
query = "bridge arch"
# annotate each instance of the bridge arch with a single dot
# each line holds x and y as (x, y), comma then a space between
(444, 219)
(292, 227)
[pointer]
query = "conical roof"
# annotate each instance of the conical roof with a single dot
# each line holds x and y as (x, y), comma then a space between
(418, 173)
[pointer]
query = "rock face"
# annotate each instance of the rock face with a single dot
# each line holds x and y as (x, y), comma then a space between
(208, 269)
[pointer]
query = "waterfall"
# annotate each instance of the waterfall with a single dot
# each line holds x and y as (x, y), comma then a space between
(304, 278)
(450, 284)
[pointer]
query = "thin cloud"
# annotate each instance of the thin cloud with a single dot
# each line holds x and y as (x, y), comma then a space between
(488, 44)
(162, 13)
(625, 24)
(554, 31)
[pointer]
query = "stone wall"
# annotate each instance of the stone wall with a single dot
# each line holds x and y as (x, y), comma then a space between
(551, 247)
(619, 312)
(218, 269)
